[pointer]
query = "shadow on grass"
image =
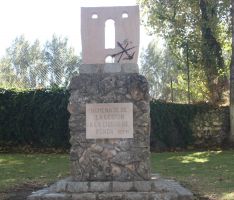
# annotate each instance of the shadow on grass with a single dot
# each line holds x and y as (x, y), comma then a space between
(209, 174)
(17, 169)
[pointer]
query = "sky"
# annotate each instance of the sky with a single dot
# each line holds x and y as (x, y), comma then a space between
(40, 19)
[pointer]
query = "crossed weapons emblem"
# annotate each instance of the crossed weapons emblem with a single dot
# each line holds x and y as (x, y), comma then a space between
(124, 51)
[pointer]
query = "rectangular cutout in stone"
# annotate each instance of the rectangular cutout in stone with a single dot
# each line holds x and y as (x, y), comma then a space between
(120, 42)
(109, 120)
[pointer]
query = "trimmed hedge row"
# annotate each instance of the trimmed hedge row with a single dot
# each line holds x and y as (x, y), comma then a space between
(171, 124)
(39, 118)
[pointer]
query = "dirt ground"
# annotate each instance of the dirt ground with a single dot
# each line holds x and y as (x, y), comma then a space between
(19, 192)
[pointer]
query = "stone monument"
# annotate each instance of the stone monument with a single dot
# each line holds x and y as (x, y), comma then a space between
(110, 118)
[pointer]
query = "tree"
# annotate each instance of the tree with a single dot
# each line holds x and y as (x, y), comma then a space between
(60, 60)
(167, 76)
(19, 56)
(24, 62)
(211, 50)
(7, 76)
(28, 65)
(158, 68)
(37, 70)
(232, 80)
(204, 25)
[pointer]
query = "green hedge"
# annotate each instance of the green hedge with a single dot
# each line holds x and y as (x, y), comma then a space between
(171, 124)
(38, 118)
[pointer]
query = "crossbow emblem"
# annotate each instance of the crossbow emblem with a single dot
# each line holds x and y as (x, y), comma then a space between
(125, 51)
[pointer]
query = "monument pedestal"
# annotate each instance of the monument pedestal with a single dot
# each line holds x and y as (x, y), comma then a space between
(154, 189)
(114, 106)
(110, 147)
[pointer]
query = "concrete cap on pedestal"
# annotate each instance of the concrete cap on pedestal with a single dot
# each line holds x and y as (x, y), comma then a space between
(108, 68)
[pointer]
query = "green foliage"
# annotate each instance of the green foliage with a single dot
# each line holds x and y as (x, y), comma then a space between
(60, 61)
(199, 30)
(171, 124)
(36, 117)
(168, 77)
(39, 118)
(159, 69)
(28, 65)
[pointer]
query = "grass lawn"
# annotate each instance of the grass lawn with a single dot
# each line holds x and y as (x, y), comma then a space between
(209, 173)
(16, 169)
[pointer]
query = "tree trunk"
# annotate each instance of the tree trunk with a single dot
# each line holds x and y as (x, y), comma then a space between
(212, 56)
(188, 71)
(232, 80)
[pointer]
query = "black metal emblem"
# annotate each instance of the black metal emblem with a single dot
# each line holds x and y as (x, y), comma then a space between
(124, 51)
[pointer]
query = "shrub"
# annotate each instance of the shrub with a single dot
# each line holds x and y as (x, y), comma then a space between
(37, 117)
(171, 123)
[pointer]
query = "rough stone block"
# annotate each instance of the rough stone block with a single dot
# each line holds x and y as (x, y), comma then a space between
(74, 109)
(130, 68)
(87, 69)
(36, 195)
(33, 197)
(56, 196)
(84, 196)
(160, 185)
(122, 186)
(163, 196)
(109, 68)
(100, 186)
(136, 196)
(155, 196)
(142, 186)
(112, 68)
(183, 193)
(76, 187)
(110, 196)
(61, 186)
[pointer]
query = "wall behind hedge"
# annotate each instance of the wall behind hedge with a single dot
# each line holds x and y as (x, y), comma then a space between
(183, 125)
(39, 118)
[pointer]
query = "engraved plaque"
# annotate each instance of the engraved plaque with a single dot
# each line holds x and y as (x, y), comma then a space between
(109, 120)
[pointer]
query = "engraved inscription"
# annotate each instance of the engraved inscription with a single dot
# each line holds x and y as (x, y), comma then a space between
(109, 120)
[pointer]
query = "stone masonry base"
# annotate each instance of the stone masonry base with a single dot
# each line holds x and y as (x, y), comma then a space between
(154, 189)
